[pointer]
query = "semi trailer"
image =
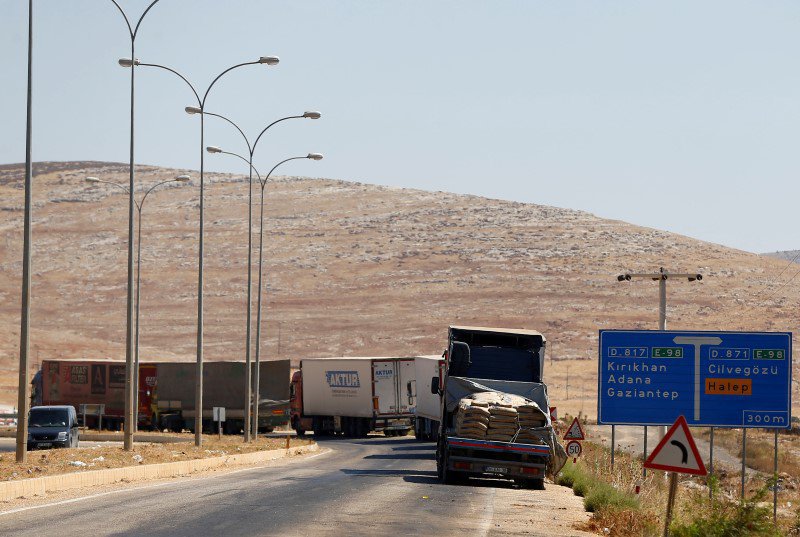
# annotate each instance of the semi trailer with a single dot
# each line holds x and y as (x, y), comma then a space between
(166, 392)
(353, 396)
(427, 410)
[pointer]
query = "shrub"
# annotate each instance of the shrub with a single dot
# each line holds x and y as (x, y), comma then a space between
(730, 519)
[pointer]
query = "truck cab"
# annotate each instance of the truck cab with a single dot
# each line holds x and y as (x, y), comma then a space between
(503, 361)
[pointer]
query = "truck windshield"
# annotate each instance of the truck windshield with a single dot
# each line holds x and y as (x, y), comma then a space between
(501, 363)
(47, 418)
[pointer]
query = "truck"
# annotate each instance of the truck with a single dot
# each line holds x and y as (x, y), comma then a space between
(166, 392)
(507, 364)
(353, 396)
(223, 386)
(427, 410)
(97, 383)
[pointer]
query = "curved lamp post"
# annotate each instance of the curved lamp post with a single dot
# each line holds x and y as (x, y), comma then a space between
(251, 148)
(129, 421)
(312, 156)
(139, 207)
(199, 109)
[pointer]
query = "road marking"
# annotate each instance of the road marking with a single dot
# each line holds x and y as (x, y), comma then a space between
(180, 481)
(488, 513)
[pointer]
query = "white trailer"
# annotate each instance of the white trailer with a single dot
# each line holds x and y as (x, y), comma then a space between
(428, 409)
(354, 396)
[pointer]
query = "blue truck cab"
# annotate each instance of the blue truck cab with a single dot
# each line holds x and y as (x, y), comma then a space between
(498, 360)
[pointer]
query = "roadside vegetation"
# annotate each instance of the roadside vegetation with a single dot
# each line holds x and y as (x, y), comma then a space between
(760, 449)
(619, 511)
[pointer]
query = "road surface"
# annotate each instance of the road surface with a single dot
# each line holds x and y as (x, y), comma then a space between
(374, 486)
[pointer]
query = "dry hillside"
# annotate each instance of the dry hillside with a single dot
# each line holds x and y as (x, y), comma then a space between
(353, 268)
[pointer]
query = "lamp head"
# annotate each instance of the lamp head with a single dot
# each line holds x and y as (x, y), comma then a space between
(193, 110)
(269, 60)
(92, 180)
(182, 178)
(127, 62)
(314, 156)
(312, 115)
(213, 149)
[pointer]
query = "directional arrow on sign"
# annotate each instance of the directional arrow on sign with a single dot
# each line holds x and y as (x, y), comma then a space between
(697, 342)
(677, 452)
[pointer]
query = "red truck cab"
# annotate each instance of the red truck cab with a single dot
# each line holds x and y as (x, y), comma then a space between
(299, 423)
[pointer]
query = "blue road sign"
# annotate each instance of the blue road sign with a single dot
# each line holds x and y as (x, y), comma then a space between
(714, 379)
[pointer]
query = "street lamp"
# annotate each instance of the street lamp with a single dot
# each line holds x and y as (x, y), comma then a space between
(251, 150)
(199, 109)
(25, 313)
(133, 62)
(139, 207)
(312, 156)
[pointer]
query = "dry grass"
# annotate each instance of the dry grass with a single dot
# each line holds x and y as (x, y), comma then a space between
(366, 269)
(761, 449)
(624, 514)
(61, 461)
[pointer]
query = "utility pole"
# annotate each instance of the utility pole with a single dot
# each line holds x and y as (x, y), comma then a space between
(661, 277)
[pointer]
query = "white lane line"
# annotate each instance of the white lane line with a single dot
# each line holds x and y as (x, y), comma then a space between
(488, 513)
(181, 481)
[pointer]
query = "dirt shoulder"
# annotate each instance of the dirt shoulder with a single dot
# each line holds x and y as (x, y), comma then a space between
(112, 455)
(553, 511)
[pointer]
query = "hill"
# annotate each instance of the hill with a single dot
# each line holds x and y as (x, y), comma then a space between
(353, 268)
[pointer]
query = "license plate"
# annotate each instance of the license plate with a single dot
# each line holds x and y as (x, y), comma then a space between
(44, 444)
(495, 470)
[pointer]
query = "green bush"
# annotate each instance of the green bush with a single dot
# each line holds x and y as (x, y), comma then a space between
(598, 495)
(603, 496)
(731, 519)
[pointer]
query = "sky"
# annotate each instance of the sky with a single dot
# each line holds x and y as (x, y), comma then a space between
(679, 115)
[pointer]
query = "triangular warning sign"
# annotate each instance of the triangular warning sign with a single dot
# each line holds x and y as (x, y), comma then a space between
(677, 452)
(575, 431)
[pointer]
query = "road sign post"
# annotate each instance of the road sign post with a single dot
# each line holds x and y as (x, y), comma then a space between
(676, 453)
(574, 450)
(219, 416)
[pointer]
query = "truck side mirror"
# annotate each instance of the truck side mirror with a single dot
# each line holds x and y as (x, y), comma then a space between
(435, 385)
(460, 358)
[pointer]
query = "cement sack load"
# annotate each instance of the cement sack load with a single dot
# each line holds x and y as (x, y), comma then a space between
(491, 398)
(472, 421)
(494, 418)
(499, 437)
(527, 436)
(530, 416)
(498, 410)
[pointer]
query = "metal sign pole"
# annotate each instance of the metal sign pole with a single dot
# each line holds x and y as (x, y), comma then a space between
(744, 457)
(644, 470)
(775, 492)
(662, 323)
(711, 462)
(613, 443)
(673, 489)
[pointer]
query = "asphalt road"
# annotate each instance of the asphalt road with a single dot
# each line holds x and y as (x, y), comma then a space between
(374, 486)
